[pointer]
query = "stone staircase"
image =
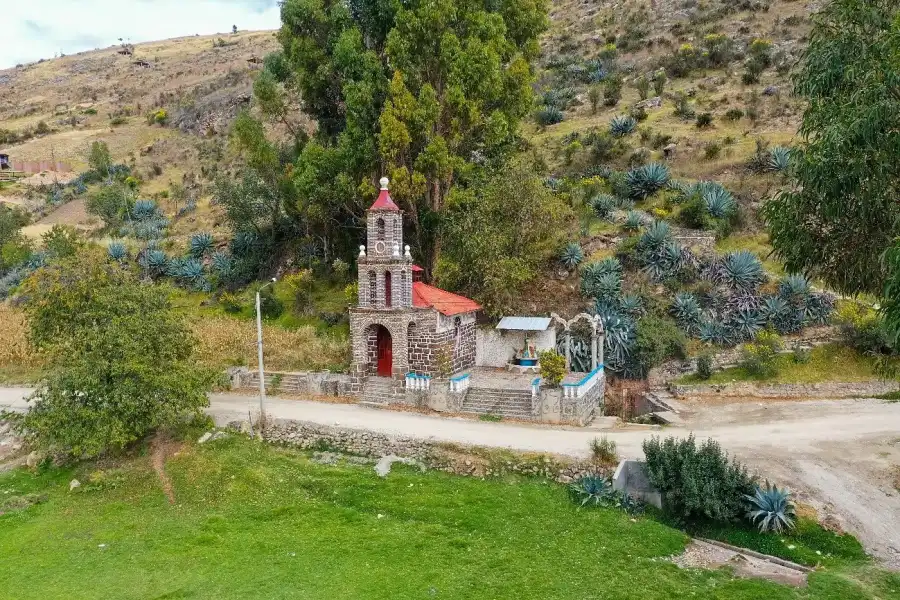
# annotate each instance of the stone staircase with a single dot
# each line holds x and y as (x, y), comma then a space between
(379, 392)
(506, 403)
(665, 407)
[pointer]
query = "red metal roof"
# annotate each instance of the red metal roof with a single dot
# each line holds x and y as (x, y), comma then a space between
(446, 303)
(384, 202)
(417, 269)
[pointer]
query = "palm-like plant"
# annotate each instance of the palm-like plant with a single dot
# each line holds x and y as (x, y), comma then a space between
(572, 256)
(645, 181)
(633, 221)
(117, 251)
(779, 159)
(686, 311)
(604, 205)
(771, 509)
(622, 125)
(718, 201)
(201, 244)
(592, 490)
(741, 270)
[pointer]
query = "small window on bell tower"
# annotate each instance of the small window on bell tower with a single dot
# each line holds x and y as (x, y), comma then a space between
(379, 229)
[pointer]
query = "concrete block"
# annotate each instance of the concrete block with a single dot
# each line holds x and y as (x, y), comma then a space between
(630, 479)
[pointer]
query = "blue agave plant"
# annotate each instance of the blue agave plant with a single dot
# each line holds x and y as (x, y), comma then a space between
(592, 490)
(686, 310)
(622, 125)
(604, 205)
(779, 159)
(222, 264)
(741, 270)
(771, 509)
(631, 305)
(718, 201)
(144, 210)
(633, 221)
(713, 332)
(794, 289)
(243, 243)
(201, 244)
(657, 234)
(117, 251)
(645, 181)
(618, 341)
(745, 324)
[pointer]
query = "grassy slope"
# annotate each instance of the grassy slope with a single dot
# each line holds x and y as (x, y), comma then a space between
(252, 521)
(831, 362)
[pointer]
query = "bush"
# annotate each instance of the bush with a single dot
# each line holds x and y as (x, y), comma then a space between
(612, 90)
(657, 339)
(603, 451)
(704, 367)
(548, 115)
(553, 367)
(734, 114)
(712, 151)
(760, 358)
(230, 303)
(704, 120)
(270, 306)
(697, 482)
(801, 356)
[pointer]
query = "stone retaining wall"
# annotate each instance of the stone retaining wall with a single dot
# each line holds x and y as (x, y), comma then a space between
(452, 458)
(863, 389)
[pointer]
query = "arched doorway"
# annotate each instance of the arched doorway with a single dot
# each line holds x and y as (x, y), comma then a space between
(384, 353)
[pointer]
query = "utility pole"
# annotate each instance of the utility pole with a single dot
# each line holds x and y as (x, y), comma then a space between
(259, 347)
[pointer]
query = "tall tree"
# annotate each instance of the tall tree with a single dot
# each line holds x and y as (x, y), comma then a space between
(842, 213)
(121, 357)
(426, 91)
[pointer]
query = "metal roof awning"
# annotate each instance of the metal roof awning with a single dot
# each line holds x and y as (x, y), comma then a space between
(524, 324)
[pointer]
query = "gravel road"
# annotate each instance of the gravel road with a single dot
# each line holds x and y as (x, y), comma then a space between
(839, 456)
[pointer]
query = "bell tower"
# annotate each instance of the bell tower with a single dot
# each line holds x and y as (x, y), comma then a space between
(385, 264)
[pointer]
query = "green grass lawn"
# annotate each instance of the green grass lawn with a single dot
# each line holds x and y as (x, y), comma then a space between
(828, 363)
(252, 521)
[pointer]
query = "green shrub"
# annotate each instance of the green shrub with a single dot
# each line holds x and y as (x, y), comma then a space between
(712, 150)
(704, 367)
(612, 90)
(659, 82)
(697, 482)
(704, 120)
(553, 367)
(760, 358)
(657, 339)
(734, 114)
(270, 306)
(603, 451)
(548, 115)
(594, 96)
(230, 303)
(642, 85)
(801, 356)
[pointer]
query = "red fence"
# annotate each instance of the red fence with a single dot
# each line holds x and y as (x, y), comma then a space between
(40, 166)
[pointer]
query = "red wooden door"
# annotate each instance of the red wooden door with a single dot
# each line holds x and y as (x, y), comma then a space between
(385, 353)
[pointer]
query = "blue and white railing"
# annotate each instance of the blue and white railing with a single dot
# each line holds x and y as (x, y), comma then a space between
(418, 383)
(460, 383)
(577, 390)
(535, 387)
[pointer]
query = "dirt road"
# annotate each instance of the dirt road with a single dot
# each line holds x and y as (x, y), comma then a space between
(837, 455)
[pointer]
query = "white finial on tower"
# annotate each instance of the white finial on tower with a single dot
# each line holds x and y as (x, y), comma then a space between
(407, 254)
(362, 251)
(384, 183)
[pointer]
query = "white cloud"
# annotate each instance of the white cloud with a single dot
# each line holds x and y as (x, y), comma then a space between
(36, 29)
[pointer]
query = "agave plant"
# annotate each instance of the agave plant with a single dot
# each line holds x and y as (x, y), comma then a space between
(144, 210)
(201, 244)
(156, 262)
(606, 287)
(686, 311)
(117, 251)
(742, 301)
(794, 289)
(745, 324)
(622, 125)
(592, 490)
(779, 159)
(657, 234)
(774, 308)
(549, 115)
(222, 264)
(771, 509)
(645, 181)
(819, 308)
(631, 305)
(718, 201)
(618, 339)
(633, 221)
(572, 256)
(190, 270)
(714, 332)
(665, 262)
(741, 270)
(604, 205)
(243, 243)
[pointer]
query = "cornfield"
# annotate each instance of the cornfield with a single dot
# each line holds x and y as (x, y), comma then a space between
(222, 342)
(225, 342)
(15, 349)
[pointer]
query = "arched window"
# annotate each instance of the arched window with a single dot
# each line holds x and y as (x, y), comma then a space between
(379, 229)
(373, 288)
(387, 289)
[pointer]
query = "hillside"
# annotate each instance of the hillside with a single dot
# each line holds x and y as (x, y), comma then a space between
(55, 109)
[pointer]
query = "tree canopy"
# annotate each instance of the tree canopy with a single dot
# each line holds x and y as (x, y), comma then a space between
(841, 213)
(425, 92)
(120, 357)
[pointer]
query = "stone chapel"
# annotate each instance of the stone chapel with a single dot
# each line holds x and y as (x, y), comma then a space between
(403, 325)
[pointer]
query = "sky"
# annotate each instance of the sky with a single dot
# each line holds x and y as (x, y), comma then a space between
(35, 29)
